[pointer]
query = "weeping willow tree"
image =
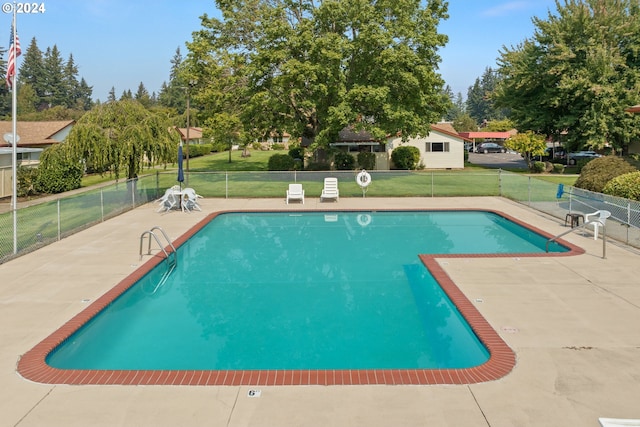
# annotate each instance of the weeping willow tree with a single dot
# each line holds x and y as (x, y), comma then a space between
(122, 136)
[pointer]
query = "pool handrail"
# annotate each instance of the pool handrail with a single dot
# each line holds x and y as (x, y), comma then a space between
(582, 227)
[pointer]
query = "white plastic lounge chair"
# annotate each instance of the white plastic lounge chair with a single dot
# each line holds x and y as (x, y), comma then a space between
(295, 192)
(190, 200)
(330, 190)
(169, 200)
(618, 422)
(596, 220)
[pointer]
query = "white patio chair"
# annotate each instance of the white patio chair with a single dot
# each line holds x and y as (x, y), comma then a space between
(190, 200)
(295, 192)
(168, 201)
(596, 220)
(330, 190)
(618, 422)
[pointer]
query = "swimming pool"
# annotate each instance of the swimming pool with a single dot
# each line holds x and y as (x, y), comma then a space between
(347, 276)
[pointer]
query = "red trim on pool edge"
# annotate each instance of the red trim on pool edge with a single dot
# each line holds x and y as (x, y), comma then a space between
(502, 360)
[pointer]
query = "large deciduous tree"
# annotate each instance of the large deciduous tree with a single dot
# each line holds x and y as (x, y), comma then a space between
(313, 67)
(121, 135)
(578, 73)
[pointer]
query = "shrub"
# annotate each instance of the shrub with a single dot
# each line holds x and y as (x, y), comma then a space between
(219, 147)
(367, 160)
(318, 166)
(281, 162)
(405, 157)
(538, 167)
(558, 168)
(58, 178)
(582, 163)
(27, 178)
(197, 150)
(627, 186)
(344, 161)
(297, 153)
(598, 172)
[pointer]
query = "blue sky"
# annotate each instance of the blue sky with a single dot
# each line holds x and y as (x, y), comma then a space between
(120, 43)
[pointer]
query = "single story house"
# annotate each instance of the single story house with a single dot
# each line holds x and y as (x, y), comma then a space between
(195, 135)
(33, 138)
(443, 148)
(275, 138)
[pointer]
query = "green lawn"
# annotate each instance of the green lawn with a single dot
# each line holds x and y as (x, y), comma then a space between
(258, 161)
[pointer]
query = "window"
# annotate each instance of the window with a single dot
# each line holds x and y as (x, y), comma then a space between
(437, 147)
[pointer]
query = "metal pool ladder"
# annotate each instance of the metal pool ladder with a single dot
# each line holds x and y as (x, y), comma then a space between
(171, 258)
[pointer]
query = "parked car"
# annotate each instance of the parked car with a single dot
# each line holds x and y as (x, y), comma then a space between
(490, 147)
(573, 158)
(554, 153)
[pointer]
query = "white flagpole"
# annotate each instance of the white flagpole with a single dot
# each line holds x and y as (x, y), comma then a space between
(14, 157)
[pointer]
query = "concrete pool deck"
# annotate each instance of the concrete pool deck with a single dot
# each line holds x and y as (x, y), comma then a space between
(573, 322)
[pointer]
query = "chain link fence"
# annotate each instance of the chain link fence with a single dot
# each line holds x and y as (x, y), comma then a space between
(52, 220)
(623, 225)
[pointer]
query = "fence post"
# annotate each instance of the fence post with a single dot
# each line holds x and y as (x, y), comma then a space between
(101, 205)
(431, 184)
(134, 187)
(59, 220)
(226, 185)
(529, 190)
(500, 182)
(570, 198)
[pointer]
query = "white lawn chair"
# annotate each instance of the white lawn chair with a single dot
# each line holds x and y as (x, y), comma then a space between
(295, 192)
(618, 422)
(330, 190)
(596, 220)
(190, 200)
(169, 200)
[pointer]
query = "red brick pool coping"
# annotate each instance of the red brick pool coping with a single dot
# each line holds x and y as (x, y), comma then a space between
(32, 365)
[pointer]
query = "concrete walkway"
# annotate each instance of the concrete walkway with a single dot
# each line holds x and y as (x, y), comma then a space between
(573, 322)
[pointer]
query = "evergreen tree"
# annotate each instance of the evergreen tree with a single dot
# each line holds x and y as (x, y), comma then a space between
(85, 91)
(70, 83)
(55, 91)
(173, 94)
(112, 95)
(142, 96)
(457, 105)
(480, 104)
(126, 95)
(32, 71)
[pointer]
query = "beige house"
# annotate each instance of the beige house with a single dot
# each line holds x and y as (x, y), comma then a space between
(443, 148)
(34, 137)
(195, 135)
(275, 138)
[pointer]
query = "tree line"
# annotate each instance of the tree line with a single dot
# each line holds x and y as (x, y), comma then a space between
(45, 81)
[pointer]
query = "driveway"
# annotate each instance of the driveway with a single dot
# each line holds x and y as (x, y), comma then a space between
(507, 160)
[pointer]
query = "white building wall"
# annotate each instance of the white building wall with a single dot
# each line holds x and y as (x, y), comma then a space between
(452, 159)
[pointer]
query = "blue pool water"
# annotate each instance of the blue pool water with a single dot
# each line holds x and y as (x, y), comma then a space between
(313, 290)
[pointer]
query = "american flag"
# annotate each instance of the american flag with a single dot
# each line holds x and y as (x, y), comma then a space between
(14, 52)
